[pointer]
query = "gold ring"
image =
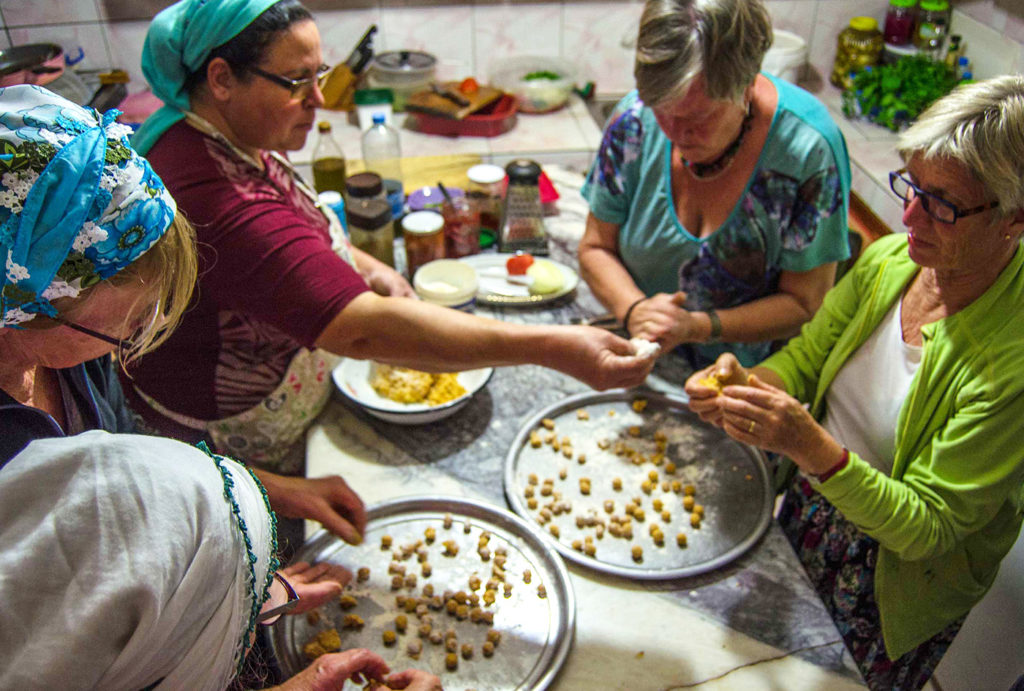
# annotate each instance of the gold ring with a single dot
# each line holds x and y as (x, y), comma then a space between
(750, 430)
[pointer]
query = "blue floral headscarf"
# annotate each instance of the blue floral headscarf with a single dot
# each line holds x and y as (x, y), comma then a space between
(77, 204)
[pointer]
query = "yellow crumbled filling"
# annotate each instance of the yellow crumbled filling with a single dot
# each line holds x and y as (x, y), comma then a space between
(405, 385)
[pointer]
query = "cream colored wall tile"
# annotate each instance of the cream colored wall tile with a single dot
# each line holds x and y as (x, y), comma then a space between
(832, 17)
(601, 38)
(126, 42)
(22, 12)
(340, 31)
(506, 30)
(990, 52)
(446, 32)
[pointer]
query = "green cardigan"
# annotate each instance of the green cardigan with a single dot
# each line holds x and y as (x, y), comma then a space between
(952, 507)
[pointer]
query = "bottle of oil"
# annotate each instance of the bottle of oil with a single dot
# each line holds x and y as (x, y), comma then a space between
(328, 161)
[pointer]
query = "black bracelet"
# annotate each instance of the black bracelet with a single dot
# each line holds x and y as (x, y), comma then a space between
(625, 319)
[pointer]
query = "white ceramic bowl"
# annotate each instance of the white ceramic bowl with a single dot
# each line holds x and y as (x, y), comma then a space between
(447, 282)
(352, 377)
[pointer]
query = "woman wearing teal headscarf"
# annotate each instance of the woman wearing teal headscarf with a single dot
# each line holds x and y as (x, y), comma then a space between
(280, 283)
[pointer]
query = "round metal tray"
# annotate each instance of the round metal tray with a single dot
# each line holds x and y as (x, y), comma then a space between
(536, 633)
(731, 480)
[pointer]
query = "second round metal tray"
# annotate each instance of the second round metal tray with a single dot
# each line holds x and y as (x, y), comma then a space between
(731, 480)
(536, 632)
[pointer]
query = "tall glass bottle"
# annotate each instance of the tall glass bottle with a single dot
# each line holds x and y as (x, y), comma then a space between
(328, 161)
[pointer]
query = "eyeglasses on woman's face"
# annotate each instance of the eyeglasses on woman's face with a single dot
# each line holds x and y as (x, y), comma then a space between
(300, 89)
(934, 205)
(282, 599)
(125, 343)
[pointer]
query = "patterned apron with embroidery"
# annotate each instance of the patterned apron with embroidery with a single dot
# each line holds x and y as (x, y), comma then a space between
(272, 433)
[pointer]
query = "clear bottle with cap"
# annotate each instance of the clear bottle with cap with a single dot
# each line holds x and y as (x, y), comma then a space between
(858, 46)
(485, 192)
(424, 239)
(382, 149)
(370, 228)
(328, 161)
(522, 224)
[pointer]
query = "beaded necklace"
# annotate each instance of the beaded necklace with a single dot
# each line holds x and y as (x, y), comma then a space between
(709, 171)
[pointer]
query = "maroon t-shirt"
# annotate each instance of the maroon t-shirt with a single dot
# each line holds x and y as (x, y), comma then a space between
(269, 281)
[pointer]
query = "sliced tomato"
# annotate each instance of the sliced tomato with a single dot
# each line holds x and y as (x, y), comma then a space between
(519, 263)
(469, 86)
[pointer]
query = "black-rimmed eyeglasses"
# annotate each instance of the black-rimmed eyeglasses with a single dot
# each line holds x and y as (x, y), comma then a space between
(936, 207)
(269, 616)
(125, 343)
(300, 88)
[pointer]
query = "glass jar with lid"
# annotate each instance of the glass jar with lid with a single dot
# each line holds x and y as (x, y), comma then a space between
(858, 46)
(932, 25)
(424, 238)
(899, 22)
(365, 186)
(485, 191)
(370, 228)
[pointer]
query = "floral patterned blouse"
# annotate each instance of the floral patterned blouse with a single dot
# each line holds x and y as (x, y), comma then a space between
(790, 217)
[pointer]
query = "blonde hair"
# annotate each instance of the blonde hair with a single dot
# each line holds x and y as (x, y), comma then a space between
(169, 270)
(980, 125)
(679, 39)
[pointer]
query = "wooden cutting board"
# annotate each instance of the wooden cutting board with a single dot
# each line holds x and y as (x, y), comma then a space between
(429, 101)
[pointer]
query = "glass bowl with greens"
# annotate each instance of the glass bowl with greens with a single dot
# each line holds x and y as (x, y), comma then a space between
(540, 84)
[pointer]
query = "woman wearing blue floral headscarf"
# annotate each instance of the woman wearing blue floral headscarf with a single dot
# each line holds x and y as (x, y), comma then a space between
(93, 255)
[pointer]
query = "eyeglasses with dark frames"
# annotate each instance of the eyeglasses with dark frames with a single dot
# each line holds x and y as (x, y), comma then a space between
(271, 615)
(125, 343)
(299, 88)
(935, 206)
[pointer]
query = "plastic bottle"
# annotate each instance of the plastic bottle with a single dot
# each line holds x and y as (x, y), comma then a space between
(382, 150)
(954, 52)
(328, 161)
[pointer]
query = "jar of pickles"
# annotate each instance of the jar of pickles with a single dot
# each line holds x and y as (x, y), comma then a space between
(424, 238)
(485, 191)
(899, 22)
(370, 228)
(859, 45)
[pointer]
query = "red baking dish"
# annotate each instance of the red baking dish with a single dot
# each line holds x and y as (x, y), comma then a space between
(495, 119)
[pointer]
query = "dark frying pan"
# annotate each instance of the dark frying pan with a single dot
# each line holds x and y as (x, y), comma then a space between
(33, 63)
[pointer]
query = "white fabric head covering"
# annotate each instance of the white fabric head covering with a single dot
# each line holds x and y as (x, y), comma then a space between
(124, 561)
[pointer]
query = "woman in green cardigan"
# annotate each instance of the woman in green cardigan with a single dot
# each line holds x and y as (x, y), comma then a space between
(912, 468)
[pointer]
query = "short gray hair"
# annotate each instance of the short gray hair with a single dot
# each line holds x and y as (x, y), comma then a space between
(981, 125)
(679, 39)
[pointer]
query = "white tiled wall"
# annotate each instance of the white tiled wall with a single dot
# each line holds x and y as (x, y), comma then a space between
(466, 37)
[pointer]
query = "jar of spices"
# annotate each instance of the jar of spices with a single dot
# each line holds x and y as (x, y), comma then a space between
(485, 191)
(859, 45)
(370, 228)
(424, 238)
(365, 186)
(932, 26)
(461, 228)
(899, 22)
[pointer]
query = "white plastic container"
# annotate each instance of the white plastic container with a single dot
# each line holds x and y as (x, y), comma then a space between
(786, 58)
(447, 282)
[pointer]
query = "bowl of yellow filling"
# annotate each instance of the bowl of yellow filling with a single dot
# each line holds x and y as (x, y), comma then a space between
(406, 396)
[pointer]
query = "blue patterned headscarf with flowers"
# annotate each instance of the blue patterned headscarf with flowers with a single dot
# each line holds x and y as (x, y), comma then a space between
(77, 204)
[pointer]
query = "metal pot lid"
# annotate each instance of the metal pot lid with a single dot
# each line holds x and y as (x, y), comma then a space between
(27, 56)
(405, 61)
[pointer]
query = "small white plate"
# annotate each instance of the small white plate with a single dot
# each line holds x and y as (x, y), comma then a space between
(352, 377)
(495, 290)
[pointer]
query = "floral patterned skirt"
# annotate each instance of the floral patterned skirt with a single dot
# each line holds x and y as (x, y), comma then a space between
(840, 561)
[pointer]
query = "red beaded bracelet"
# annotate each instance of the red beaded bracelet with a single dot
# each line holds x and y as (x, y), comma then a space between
(840, 464)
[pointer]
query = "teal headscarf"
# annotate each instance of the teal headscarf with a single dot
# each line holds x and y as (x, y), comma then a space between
(77, 205)
(177, 44)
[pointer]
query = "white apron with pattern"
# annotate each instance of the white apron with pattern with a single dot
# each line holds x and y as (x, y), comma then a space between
(269, 433)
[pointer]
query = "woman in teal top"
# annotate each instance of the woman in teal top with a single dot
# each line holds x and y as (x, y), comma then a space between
(718, 198)
(902, 540)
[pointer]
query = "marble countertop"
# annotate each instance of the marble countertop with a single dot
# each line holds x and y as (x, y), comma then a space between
(754, 624)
